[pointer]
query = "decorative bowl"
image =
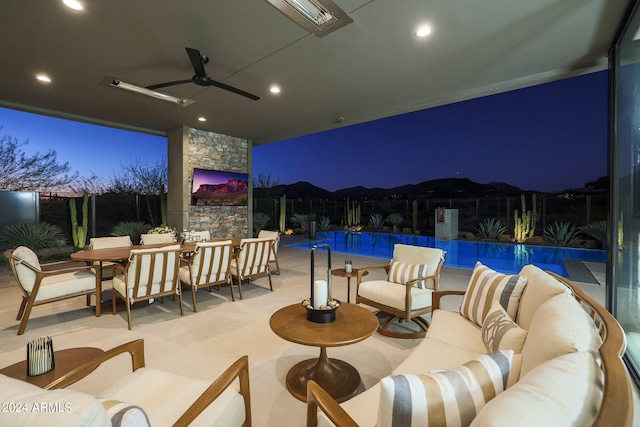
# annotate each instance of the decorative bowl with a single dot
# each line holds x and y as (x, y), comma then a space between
(325, 314)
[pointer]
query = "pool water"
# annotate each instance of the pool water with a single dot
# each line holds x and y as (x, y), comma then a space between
(504, 257)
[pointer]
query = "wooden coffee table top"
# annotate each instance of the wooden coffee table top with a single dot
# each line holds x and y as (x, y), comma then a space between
(65, 360)
(352, 324)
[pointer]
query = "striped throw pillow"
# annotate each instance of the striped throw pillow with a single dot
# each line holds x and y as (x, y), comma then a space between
(486, 286)
(401, 272)
(443, 398)
(500, 332)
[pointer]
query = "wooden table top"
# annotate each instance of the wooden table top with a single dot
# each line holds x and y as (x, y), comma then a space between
(122, 253)
(65, 360)
(341, 272)
(353, 324)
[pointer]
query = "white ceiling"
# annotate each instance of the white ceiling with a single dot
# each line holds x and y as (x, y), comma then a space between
(374, 67)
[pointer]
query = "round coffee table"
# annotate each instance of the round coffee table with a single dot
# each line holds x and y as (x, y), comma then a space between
(65, 360)
(341, 380)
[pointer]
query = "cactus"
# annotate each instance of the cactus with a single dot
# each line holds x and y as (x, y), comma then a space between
(525, 225)
(353, 214)
(79, 233)
(283, 213)
(415, 216)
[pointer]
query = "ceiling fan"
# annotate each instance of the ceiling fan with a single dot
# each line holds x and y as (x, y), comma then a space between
(200, 77)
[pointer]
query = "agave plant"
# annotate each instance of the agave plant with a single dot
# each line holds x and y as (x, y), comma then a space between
(491, 228)
(324, 224)
(39, 235)
(131, 229)
(376, 220)
(563, 234)
(596, 230)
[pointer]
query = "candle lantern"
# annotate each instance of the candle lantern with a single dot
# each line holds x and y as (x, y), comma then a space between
(40, 358)
(321, 307)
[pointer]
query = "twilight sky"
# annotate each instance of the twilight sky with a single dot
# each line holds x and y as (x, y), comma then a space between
(548, 138)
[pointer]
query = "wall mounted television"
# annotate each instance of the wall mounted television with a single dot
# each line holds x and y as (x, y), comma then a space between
(212, 187)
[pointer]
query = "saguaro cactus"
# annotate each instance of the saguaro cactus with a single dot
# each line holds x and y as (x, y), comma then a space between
(79, 233)
(283, 213)
(353, 214)
(525, 225)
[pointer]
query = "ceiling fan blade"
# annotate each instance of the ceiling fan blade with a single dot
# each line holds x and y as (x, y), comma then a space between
(177, 82)
(196, 61)
(233, 89)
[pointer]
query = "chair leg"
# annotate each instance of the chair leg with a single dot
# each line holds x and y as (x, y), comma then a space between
(25, 317)
(113, 301)
(387, 332)
(180, 299)
(126, 302)
(193, 295)
(240, 286)
(230, 283)
(270, 283)
(23, 304)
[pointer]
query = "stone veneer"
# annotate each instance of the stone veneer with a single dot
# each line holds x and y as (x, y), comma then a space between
(207, 150)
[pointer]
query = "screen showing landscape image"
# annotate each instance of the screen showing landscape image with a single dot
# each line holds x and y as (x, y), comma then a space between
(219, 188)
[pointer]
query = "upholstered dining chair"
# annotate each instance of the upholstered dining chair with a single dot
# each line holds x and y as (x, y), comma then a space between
(210, 265)
(106, 243)
(273, 258)
(251, 260)
(154, 239)
(148, 274)
(201, 236)
(405, 294)
(41, 286)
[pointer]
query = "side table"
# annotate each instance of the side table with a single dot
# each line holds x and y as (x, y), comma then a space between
(340, 272)
(66, 361)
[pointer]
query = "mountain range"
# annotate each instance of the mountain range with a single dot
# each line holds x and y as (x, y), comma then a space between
(436, 188)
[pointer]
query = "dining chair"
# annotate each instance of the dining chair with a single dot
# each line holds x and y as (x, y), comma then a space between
(201, 236)
(106, 267)
(251, 260)
(210, 265)
(273, 258)
(148, 274)
(41, 286)
(154, 239)
(405, 294)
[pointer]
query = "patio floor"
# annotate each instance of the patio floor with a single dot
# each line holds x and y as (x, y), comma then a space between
(203, 344)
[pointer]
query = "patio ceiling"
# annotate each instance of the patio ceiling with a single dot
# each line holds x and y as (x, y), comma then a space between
(372, 68)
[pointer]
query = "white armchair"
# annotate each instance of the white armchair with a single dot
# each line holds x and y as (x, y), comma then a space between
(273, 258)
(40, 286)
(405, 295)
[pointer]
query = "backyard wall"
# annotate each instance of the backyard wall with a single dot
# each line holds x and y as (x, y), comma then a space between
(190, 148)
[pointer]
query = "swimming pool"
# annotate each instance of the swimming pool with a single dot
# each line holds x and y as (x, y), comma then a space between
(504, 257)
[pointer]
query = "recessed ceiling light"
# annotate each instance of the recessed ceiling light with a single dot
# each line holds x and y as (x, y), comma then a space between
(202, 119)
(423, 31)
(73, 4)
(275, 89)
(43, 78)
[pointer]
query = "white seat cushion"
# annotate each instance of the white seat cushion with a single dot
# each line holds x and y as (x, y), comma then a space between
(165, 396)
(66, 284)
(394, 295)
(540, 287)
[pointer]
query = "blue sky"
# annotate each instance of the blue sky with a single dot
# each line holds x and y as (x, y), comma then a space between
(548, 138)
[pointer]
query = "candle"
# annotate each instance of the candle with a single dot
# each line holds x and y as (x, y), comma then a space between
(348, 267)
(320, 293)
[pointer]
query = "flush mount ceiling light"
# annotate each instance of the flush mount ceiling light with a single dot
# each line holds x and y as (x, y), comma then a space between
(319, 17)
(73, 4)
(43, 78)
(118, 83)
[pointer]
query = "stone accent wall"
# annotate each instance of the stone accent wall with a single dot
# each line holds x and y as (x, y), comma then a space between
(210, 150)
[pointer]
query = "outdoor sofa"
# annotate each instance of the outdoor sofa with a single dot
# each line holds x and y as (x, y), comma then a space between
(565, 370)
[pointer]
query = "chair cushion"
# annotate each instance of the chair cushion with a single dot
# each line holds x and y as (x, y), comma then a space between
(154, 239)
(125, 414)
(487, 285)
(401, 272)
(26, 276)
(66, 284)
(109, 242)
(564, 391)
(419, 255)
(559, 326)
(443, 398)
(29, 405)
(500, 332)
(165, 396)
(394, 295)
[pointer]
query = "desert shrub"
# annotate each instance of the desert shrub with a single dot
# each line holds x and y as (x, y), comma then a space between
(260, 221)
(131, 229)
(376, 220)
(394, 219)
(39, 235)
(491, 228)
(301, 220)
(597, 230)
(563, 234)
